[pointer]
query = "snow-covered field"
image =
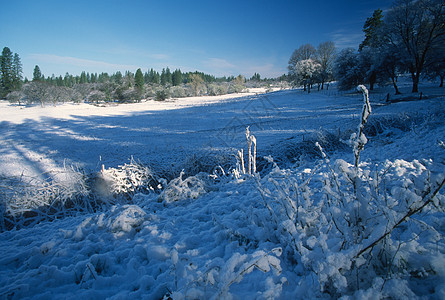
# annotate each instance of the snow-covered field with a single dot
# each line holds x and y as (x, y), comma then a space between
(302, 227)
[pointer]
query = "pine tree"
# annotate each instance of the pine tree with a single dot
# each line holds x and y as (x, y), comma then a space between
(6, 75)
(168, 76)
(17, 72)
(83, 78)
(139, 80)
(37, 74)
(371, 30)
(156, 77)
(118, 77)
(177, 77)
(163, 77)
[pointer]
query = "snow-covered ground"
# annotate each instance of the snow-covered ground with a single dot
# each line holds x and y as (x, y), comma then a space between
(227, 236)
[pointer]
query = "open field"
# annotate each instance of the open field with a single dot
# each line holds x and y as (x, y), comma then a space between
(224, 235)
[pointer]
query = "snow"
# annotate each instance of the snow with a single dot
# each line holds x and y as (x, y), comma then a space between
(198, 234)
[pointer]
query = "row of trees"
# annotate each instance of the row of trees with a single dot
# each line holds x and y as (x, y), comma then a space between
(128, 87)
(104, 87)
(410, 38)
(165, 78)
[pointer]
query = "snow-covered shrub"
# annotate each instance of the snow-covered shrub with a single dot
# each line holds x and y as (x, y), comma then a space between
(216, 89)
(96, 96)
(218, 276)
(131, 95)
(125, 181)
(181, 189)
(162, 94)
(15, 97)
(28, 201)
(350, 224)
(235, 88)
(178, 92)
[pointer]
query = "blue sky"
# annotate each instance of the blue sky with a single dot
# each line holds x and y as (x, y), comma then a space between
(215, 37)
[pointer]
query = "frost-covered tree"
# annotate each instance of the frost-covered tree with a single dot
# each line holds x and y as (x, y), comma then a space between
(305, 71)
(415, 28)
(197, 82)
(37, 91)
(348, 70)
(325, 56)
(304, 52)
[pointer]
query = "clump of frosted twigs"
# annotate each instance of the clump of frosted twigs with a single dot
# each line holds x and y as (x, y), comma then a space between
(251, 157)
(126, 180)
(27, 201)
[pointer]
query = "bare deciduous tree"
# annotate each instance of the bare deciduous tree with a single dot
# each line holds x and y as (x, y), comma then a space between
(415, 29)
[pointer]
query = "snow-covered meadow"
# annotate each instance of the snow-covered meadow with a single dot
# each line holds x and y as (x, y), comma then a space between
(149, 199)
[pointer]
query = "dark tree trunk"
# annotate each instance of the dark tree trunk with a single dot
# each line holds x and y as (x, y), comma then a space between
(372, 80)
(415, 85)
(394, 83)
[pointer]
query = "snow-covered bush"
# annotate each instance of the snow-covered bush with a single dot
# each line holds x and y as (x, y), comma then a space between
(181, 189)
(162, 94)
(355, 226)
(219, 275)
(178, 92)
(235, 88)
(28, 201)
(125, 181)
(96, 96)
(215, 89)
(15, 97)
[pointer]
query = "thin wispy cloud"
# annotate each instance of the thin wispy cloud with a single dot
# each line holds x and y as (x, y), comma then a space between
(343, 39)
(159, 56)
(218, 63)
(80, 62)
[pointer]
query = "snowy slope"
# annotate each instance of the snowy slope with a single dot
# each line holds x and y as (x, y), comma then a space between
(217, 236)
